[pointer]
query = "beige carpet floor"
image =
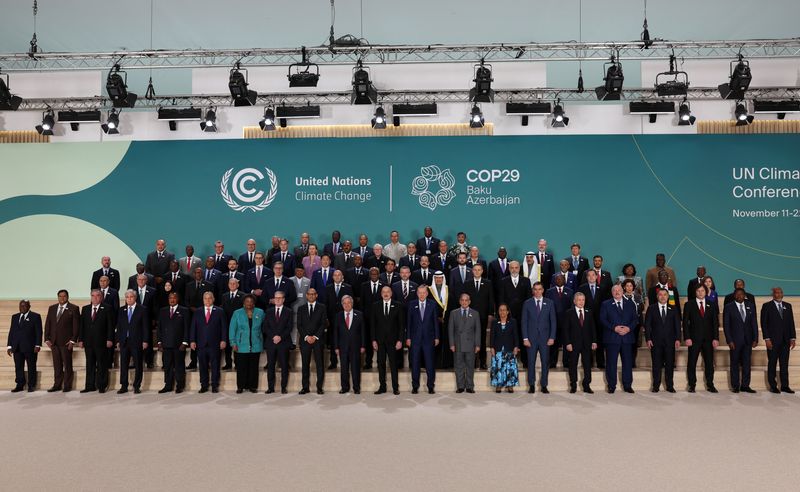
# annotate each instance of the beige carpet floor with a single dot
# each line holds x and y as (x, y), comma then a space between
(421, 442)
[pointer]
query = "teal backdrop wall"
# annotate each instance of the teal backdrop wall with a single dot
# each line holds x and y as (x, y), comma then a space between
(625, 197)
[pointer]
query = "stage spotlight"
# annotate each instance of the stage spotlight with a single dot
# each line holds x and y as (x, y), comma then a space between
(672, 83)
(379, 120)
(742, 117)
(560, 119)
(237, 84)
(48, 122)
(685, 117)
(267, 123)
(476, 117)
(612, 88)
(303, 76)
(482, 91)
(363, 90)
(117, 88)
(209, 123)
(111, 126)
(780, 108)
(8, 101)
(740, 79)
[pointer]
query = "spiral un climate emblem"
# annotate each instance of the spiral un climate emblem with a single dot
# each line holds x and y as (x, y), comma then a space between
(424, 186)
(248, 189)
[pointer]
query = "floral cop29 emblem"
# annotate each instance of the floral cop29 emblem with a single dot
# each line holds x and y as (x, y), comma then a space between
(250, 197)
(434, 187)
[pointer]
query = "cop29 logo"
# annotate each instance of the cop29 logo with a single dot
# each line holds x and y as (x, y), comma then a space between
(434, 187)
(245, 195)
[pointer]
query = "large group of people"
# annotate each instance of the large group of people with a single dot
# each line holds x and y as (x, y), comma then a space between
(362, 305)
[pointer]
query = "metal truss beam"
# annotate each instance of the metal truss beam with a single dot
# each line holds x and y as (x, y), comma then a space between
(325, 55)
(399, 96)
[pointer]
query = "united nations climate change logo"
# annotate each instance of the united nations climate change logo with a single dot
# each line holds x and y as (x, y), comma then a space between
(425, 187)
(245, 193)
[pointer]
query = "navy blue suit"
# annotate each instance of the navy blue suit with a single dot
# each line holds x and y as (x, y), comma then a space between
(616, 344)
(208, 336)
(318, 284)
(538, 326)
(663, 332)
(288, 263)
(244, 263)
(570, 280)
(422, 328)
(742, 333)
(23, 338)
(251, 281)
(130, 337)
(284, 285)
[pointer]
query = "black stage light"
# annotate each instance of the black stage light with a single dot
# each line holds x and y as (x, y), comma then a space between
(237, 84)
(379, 119)
(742, 117)
(303, 75)
(117, 88)
(612, 88)
(75, 118)
(560, 119)
(363, 90)
(685, 117)
(482, 90)
(672, 83)
(173, 115)
(652, 109)
(8, 101)
(740, 79)
(209, 123)
(778, 107)
(267, 123)
(111, 126)
(476, 117)
(48, 122)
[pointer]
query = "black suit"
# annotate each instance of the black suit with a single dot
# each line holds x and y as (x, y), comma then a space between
(288, 261)
(456, 285)
(481, 300)
(547, 267)
(173, 335)
(349, 342)
(334, 303)
(581, 335)
(229, 306)
(748, 297)
(151, 281)
(496, 273)
(778, 327)
(663, 332)
(604, 280)
(221, 261)
(277, 352)
(652, 297)
(222, 284)
(387, 331)
(244, 264)
(24, 336)
(364, 252)
(702, 330)
(178, 281)
(583, 265)
(95, 335)
(388, 279)
(367, 298)
(158, 264)
(593, 303)
(422, 278)
(151, 308)
(514, 297)
(692, 287)
(427, 247)
(312, 325)
(113, 278)
(343, 261)
(742, 333)
(444, 264)
(355, 279)
(300, 252)
(411, 261)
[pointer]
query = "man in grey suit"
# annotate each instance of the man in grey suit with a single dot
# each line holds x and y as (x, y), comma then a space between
(538, 334)
(464, 329)
(301, 285)
(189, 262)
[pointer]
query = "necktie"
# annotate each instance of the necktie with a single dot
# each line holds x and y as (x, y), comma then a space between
(374, 288)
(188, 264)
(218, 258)
(541, 258)
(463, 313)
(310, 310)
(141, 296)
(503, 265)
(258, 275)
(514, 281)
(231, 295)
(386, 309)
(702, 309)
(94, 313)
(337, 290)
(208, 275)
(780, 309)
(580, 316)
(592, 286)
(559, 292)
(60, 312)
(105, 272)
(347, 319)
(574, 263)
(422, 310)
(208, 314)
(538, 306)
(619, 305)
(741, 311)
(277, 282)
(425, 275)
(171, 312)
(405, 289)
(130, 314)
(283, 257)
(463, 274)
(278, 314)
(477, 286)
(663, 313)
(324, 276)
(174, 276)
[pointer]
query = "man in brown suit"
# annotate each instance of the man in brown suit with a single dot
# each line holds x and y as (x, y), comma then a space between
(61, 329)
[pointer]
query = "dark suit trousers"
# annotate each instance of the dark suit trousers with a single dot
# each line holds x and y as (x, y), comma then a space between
(387, 350)
(613, 352)
(663, 355)
(277, 353)
(707, 351)
(126, 353)
(779, 353)
(329, 341)
(369, 353)
(62, 367)
(306, 351)
(247, 371)
(208, 357)
(585, 354)
(29, 358)
(96, 368)
(740, 363)
(559, 343)
(173, 362)
(228, 355)
(416, 353)
(600, 353)
(350, 361)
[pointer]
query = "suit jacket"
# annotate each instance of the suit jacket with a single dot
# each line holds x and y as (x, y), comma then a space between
(480, 261)
(662, 331)
(387, 279)
(352, 339)
(692, 287)
(187, 266)
(344, 261)
(24, 336)
(368, 298)
(212, 276)
(422, 328)
(652, 297)
(547, 266)
(334, 302)
(495, 273)
(504, 339)
(583, 265)
(329, 249)
(418, 278)
(651, 277)
(570, 280)
(427, 248)
(318, 284)
(288, 263)
(230, 305)
(481, 300)
(97, 333)
(222, 284)
(610, 317)
(211, 333)
(150, 302)
(593, 303)
(604, 280)
(173, 331)
(563, 302)
(178, 285)
(411, 261)
(355, 279)
(221, 262)
(779, 329)
(64, 329)
(194, 293)
(158, 265)
(387, 329)
(314, 325)
(251, 281)
(700, 328)
(244, 263)
(113, 278)
(284, 285)
(397, 292)
(111, 299)
(455, 283)
(151, 280)
(363, 252)
(444, 264)
(300, 253)
(375, 262)
(137, 330)
(464, 332)
(748, 297)
(580, 337)
(740, 332)
(538, 326)
(514, 297)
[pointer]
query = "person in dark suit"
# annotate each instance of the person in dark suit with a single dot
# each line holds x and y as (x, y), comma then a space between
(428, 243)
(390, 275)
(562, 301)
(177, 281)
(210, 273)
(105, 270)
(349, 341)
(693, 283)
(570, 278)
(739, 284)
(277, 283)
(24, 344)
(580, 339)
(231, 271)
(61, 330)
(442, 261)
(741, 334)
(370, 293)
(220, 257)
(460, 275)
(482, 299)
(312, 320)
(474, 258)
(344, 260)
(133, 326)
(256, 279)
(356, 276)
(284, 256)
(231, 301)
(423, 275)
(321, 278)
(674, 298)
(334, 247)
(247, 260)
(411, 258)
(173, 339)
(301, 251)
(151, 280)
(404, 290)
(701, 333)
(157, 262)
(778, 330)
(662, 331)
(334, 292)
(618, 316)
(603, 277)
(110, 297)
(578, 264)
(546, 264)
(422, 336)
(538, 334)
(208, 335)
(514, 291)
(594, 298)
(148, 299)
(387, 320)
(498, 269)
(277, 330)
(96, 338)
(364, 250)
(193, 299)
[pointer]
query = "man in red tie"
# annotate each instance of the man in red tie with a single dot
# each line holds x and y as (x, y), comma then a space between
(701, 333)
(208, 335)
(349, 342)
(277, 330)
(173, 340)
(580, 339)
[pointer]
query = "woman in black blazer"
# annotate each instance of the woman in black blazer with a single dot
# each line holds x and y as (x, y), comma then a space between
(505, 346)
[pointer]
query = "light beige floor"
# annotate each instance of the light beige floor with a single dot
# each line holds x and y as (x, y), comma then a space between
(421, 442)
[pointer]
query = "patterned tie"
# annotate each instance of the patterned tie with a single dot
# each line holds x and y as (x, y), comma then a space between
(60, 312)
(347, 319)
(130, 314)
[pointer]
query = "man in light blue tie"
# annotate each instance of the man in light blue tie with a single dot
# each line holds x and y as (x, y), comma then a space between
(538, 334)
(422, 332)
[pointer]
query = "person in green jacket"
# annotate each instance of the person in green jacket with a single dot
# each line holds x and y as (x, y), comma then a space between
(247, 342)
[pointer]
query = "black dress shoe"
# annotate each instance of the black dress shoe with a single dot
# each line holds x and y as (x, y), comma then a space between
(610, 391)
(545, 390)
(136, 391)
(332, 367)
(629, 390)
(342, 392)
(320, 391)
(367, 367)
(531, 389)
(179, 391)
(122, 391)
(215, 390)
(573, 389)
(712, 389)
(380, 391)
(483, 367)
(150, 366)
(67, 390)
(470, 390)
(735, 390)
(239, 391)
(284, 391)
(269, 391)
(17, 389)
(654, 390)
(303, 391)
(53, 389)
(460, 390)
(226, 367)
(164, 390)
(31, 389)
(86, 390)
(588, 390)
(396, 392)
(414, 391)
(253, 390)
(788, 390)
(690, 389)
(203, 390)
(101, 390)
(747, 389)
(356, 392)
(670, 390)
(431, 391)
(774, 390)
